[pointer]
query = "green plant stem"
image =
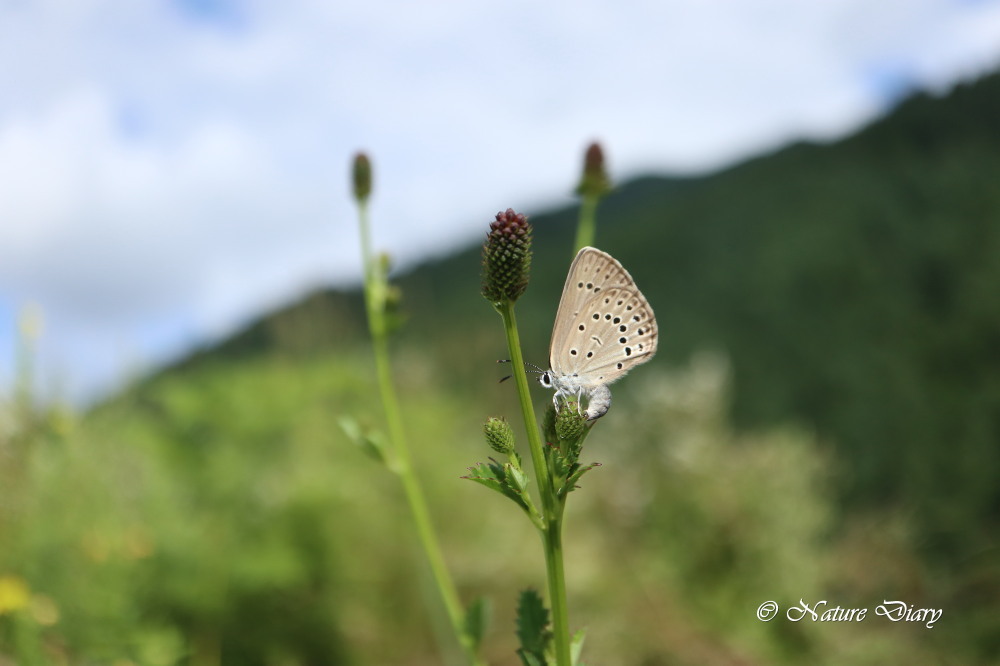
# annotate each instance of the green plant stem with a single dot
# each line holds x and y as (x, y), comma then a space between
(403, 461)
(552, 541)
(551, 529)
(527, 409)
(586, 225)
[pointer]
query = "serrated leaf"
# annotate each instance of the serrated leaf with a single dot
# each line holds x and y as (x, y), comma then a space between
(477, 620)
(493, 475)
(533, 626)
(485, 474)
(580, 470)
(576, 647)
(559, 465)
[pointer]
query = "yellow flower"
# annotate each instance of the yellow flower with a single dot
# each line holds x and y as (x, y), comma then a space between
(14, 594)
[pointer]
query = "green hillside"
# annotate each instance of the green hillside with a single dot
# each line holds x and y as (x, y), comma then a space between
(852, 285)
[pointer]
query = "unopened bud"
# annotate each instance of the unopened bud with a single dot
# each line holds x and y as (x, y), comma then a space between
(506, 257)
(569, 424)
(362, 177)
(594, 182)
(499, 435)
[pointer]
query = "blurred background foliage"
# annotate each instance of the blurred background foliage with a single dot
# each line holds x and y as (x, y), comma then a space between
(822, 422)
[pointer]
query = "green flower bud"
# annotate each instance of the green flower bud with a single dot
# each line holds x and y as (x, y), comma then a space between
(570, 424)
(594, 182)
(362, 177)
(506, 257)
(499, 435)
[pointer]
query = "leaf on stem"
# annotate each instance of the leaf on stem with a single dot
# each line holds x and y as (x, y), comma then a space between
(576, 647)
(387, 296)
(533, 629)
(371, 442)
(574, 476)
(504, 478)
(477, 620)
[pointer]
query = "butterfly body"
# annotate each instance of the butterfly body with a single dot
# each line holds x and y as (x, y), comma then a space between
(604, 327)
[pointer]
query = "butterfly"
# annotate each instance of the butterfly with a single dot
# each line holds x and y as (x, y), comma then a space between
(604, 327)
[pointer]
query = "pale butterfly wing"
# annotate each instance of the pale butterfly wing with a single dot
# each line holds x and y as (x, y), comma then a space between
(591, 271)
(604, 325)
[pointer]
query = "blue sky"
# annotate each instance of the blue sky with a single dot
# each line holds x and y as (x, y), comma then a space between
(171, 169)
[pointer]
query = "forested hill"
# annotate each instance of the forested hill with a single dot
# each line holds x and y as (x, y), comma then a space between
(854, 286)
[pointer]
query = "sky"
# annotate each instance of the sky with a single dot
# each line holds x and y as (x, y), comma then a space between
(170, 170)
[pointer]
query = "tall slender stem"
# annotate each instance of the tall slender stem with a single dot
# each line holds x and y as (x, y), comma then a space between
(551, 530)
(403, 463)
(552, 540)
(586, 226)
(527, 409)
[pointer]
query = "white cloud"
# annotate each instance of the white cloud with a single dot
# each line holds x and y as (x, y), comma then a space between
(166, 175)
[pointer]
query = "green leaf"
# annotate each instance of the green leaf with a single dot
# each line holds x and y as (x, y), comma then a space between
(579, 471)
(373, 442)
(394, 316)
(350, 428)
(532, 628)
(576, 647)
(500, 478)
(549, 425)
(516, 476)
(477, 620)
(560, 467)
(529, 659)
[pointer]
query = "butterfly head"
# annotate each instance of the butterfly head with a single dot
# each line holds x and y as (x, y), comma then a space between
(545, 378)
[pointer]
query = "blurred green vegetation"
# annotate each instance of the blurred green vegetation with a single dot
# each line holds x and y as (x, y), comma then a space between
(223, 518)
(842, 444)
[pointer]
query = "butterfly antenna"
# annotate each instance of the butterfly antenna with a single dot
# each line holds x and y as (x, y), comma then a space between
(531, 368)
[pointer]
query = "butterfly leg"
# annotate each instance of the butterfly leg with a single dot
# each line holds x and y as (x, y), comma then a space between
(563, 396)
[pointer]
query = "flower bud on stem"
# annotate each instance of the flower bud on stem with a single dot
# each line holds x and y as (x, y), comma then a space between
(506, 266)
(402, 463)
(593, 186)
